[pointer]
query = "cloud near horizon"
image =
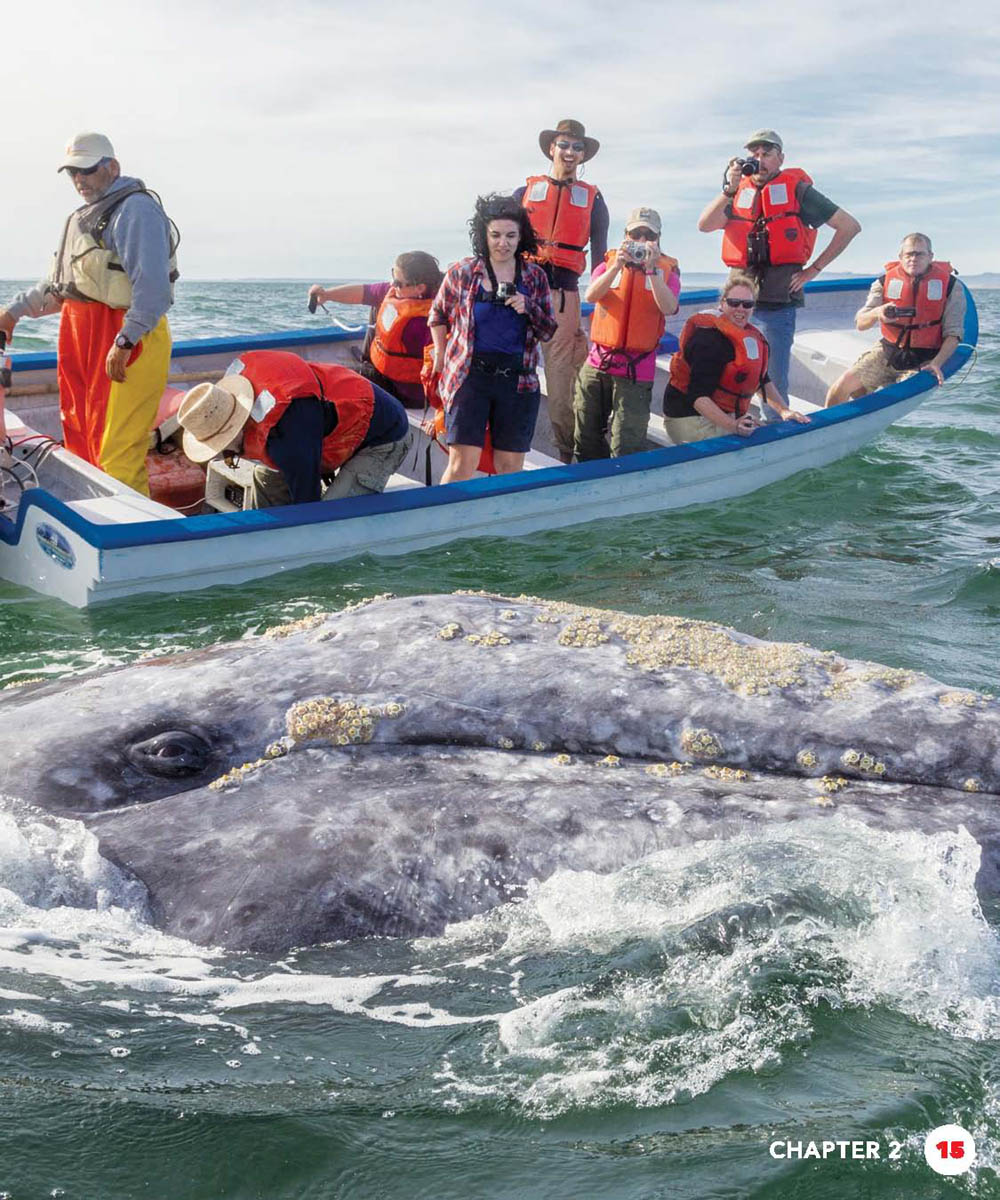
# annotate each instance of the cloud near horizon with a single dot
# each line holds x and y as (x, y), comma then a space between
(320, 140)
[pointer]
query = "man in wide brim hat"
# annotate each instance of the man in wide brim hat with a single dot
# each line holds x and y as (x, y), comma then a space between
(570, 129)
(567, 215)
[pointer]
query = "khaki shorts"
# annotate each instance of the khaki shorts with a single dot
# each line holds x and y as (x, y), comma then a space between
(691, 429)
(874, 370)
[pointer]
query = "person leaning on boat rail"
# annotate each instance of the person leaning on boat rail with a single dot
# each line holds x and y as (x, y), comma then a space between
(633, 291)
(112, 281)
(769, 219)
(487, 320)
(921, 316)
(394, 356)
(300, 422)
(566, 214)
(722, 363)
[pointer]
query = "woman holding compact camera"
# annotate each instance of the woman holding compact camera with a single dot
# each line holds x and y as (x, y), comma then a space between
(718, 369)
(490, 314)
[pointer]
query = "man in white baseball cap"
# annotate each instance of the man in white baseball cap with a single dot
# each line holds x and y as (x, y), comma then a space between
(112, 281)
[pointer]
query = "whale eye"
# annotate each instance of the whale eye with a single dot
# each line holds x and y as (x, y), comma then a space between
(173, 753)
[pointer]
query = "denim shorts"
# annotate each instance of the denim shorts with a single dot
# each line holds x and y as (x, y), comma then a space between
(492, 399)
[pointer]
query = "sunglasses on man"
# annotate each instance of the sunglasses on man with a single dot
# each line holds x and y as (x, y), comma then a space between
(579, 147)
(85, 170)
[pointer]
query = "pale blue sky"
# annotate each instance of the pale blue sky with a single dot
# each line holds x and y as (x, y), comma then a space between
(318, 139)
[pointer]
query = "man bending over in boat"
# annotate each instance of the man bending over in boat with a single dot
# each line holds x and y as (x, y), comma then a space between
(769, 214)
(394, 355)
(301, 422)
(112, 280)
(921, 315)
(719, 368)
(633, 292)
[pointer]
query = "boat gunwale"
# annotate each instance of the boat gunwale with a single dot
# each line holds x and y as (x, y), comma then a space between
(174, 530)
(42, 360)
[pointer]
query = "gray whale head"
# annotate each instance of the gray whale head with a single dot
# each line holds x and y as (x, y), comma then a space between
(410, 762)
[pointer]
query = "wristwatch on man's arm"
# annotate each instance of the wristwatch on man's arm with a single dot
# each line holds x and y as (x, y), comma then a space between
(122, 342)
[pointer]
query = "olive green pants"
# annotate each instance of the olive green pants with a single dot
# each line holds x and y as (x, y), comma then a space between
(611, 414)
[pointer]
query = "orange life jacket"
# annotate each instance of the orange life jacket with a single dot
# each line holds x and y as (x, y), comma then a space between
(388, 352)
(560, 217)
(279, 377)
(627, 318)
(928, 295)
(774, 211)
(741, 378)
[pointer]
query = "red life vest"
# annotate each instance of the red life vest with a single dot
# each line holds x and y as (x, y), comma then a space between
(279, 377)
(774, 210)
(627, 317)
(560, 217)
(928, 295)
(741, 378)
(388, 351)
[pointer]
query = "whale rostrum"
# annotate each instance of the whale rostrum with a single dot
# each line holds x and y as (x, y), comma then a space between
(406, 763)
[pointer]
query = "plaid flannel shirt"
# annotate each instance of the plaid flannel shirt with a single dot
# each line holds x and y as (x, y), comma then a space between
(454, 306)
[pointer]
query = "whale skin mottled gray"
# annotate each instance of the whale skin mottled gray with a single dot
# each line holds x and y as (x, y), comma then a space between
(406, 763)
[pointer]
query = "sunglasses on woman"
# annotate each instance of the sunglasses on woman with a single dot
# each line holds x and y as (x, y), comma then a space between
(740, 303)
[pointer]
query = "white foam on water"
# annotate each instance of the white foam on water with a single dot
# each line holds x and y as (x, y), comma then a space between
(742, 940)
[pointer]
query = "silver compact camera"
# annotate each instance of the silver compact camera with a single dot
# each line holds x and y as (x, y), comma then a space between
(638, 252)
(504, 292)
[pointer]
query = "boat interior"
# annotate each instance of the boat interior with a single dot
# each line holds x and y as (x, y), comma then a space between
(825, 344)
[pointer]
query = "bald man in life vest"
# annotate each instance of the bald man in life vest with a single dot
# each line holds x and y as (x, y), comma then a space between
(769, 221)
(566, 214)
(921, 315)
(112, 282)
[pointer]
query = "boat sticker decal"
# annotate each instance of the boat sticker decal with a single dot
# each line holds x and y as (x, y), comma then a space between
(578, 196)
(751, 347)
(235, 367)
(262, 406)
(894, 289)
(539, 190)
(935, 289)
(55, 545)
(778, 192)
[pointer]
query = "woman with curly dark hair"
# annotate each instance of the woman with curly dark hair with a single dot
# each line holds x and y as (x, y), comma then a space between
(487, 320)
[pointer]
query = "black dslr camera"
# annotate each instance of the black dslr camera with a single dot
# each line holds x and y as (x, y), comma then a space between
(749, 166)
(504, 292)
(899, 310)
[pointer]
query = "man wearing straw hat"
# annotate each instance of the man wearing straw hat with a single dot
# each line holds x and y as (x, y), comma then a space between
(566, 214)
(301, 422)
(112, 281)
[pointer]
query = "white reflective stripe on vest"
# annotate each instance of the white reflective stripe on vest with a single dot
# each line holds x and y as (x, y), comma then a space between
(777, 193)
(387, 316)
(539, 190)
(935, 289)
(262, 405)
(894, 289)
(578, 196)
(751, 347)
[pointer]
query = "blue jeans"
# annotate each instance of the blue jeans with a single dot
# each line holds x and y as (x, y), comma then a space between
(778, 326)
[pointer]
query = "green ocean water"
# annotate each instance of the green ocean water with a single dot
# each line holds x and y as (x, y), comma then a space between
(629, 1064)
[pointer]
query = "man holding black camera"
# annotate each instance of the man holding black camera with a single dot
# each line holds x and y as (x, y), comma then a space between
(921, 315)
(769, 214)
